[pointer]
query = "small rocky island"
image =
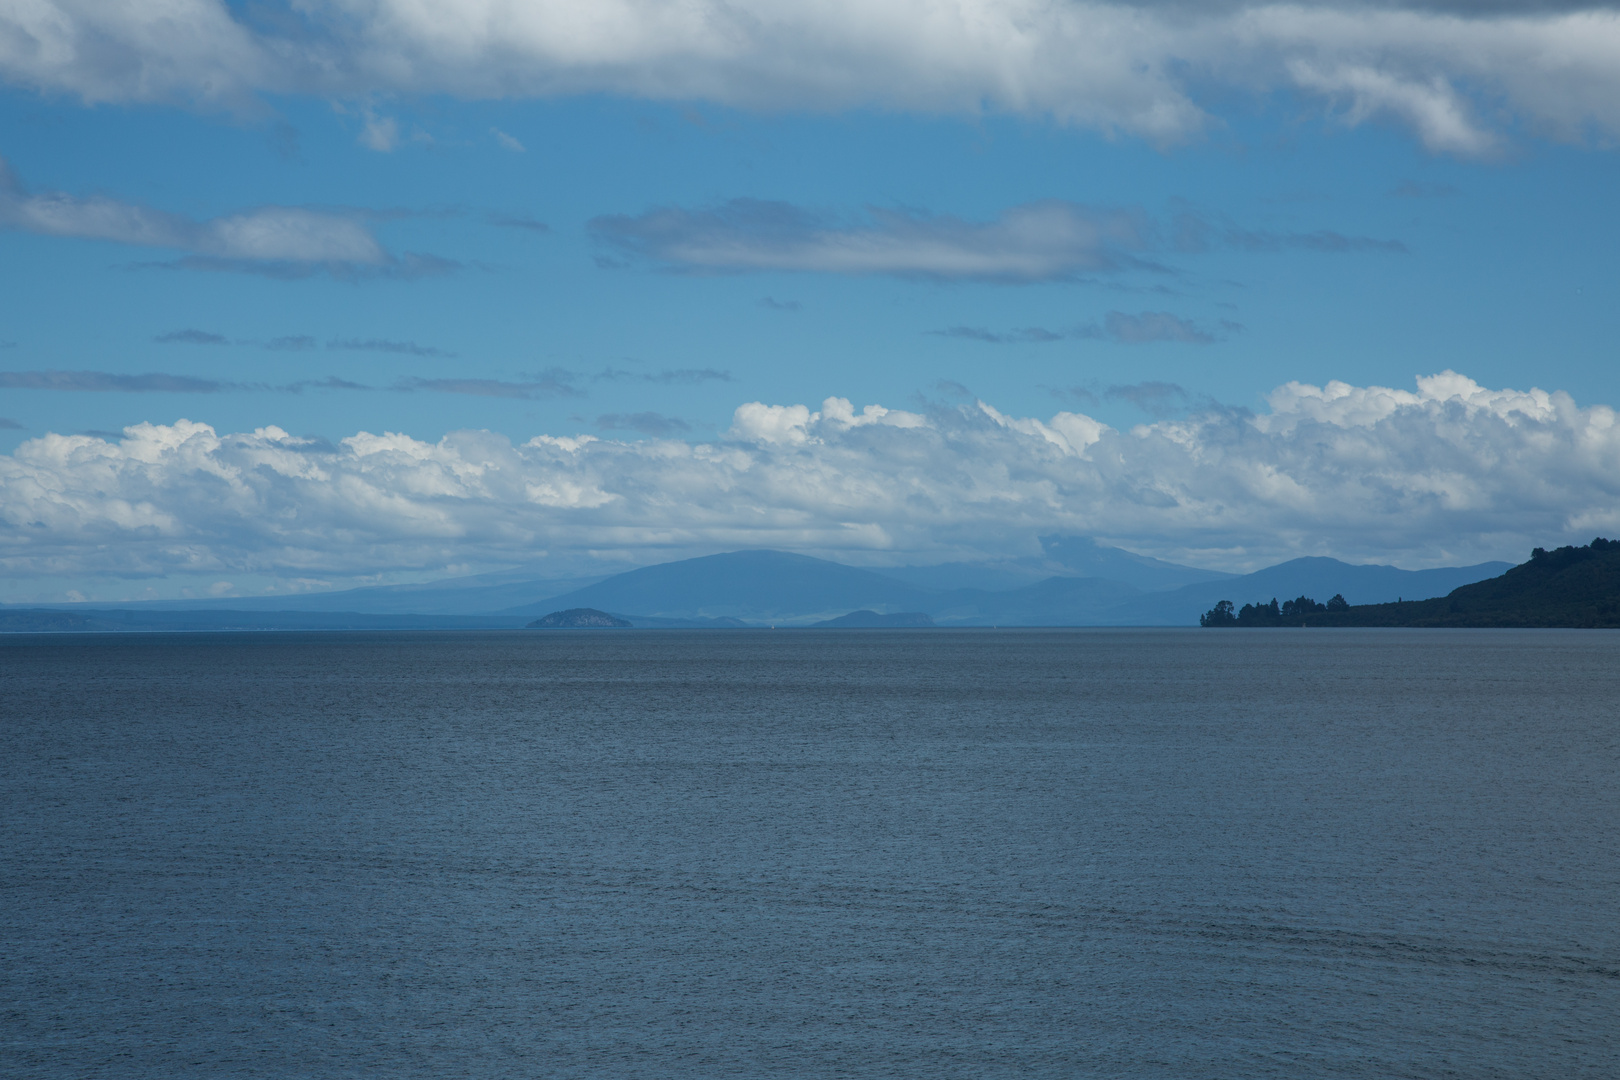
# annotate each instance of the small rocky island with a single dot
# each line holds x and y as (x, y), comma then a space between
(579, 618)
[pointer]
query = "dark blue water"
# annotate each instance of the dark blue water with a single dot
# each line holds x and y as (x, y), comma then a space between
(811, 854)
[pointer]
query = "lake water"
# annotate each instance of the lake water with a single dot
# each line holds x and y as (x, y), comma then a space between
(685, 854)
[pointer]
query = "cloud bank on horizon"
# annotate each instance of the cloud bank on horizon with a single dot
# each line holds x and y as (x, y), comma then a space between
(676, 223)
(1440, 474)
(1462, 77)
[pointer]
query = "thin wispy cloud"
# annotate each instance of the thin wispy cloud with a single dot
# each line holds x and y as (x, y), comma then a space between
(8, 424)
(506, 141)
(1043, 241)
(191, 337)
(272, 241)
(687, 376)
(1413, 189)
(554, 383)
(1154, 397)
(1022, 335)
(1034, 242)
(1153, 326)
(383, 345)
(291, 343)
(517, 221)
(773, 304)
(1117, 326)
(666, 377)
(1197, 232)
(330, 382)
(410, 266)
(654, 424)
(109, 382)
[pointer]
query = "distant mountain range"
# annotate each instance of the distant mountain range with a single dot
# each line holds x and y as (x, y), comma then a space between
(780, 588)
(784, 589)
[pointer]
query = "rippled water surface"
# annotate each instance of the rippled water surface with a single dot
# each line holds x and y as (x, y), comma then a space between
(933, 854)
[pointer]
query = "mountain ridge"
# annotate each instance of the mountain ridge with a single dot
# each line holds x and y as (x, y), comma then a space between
(766, 587)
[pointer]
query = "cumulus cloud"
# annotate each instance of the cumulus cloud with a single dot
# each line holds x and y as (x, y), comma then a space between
(1456, 74)
(1450, 471)
(1039, 241)
(279, 241)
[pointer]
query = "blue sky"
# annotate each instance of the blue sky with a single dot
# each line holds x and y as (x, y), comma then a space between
(335, 220)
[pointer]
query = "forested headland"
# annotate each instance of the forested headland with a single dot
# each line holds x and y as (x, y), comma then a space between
(1576, 587)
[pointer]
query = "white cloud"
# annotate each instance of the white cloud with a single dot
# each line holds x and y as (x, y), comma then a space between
(1447, 472)
(380, 133)
(507, 142)
(136, 50)
(268, 234)
(1131, 68)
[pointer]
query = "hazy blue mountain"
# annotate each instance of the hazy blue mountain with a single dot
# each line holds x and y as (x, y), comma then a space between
(871, 620)
(760, 586)
(1064, 557)
(724, 622)
(1082, 556)
(1057, 601)
(1316, 577)
(781, 588)
(988, 577)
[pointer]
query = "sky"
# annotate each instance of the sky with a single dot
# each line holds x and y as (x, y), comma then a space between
(310, 295)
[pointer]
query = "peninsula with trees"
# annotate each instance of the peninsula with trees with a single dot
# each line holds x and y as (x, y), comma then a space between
(1575, 587)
